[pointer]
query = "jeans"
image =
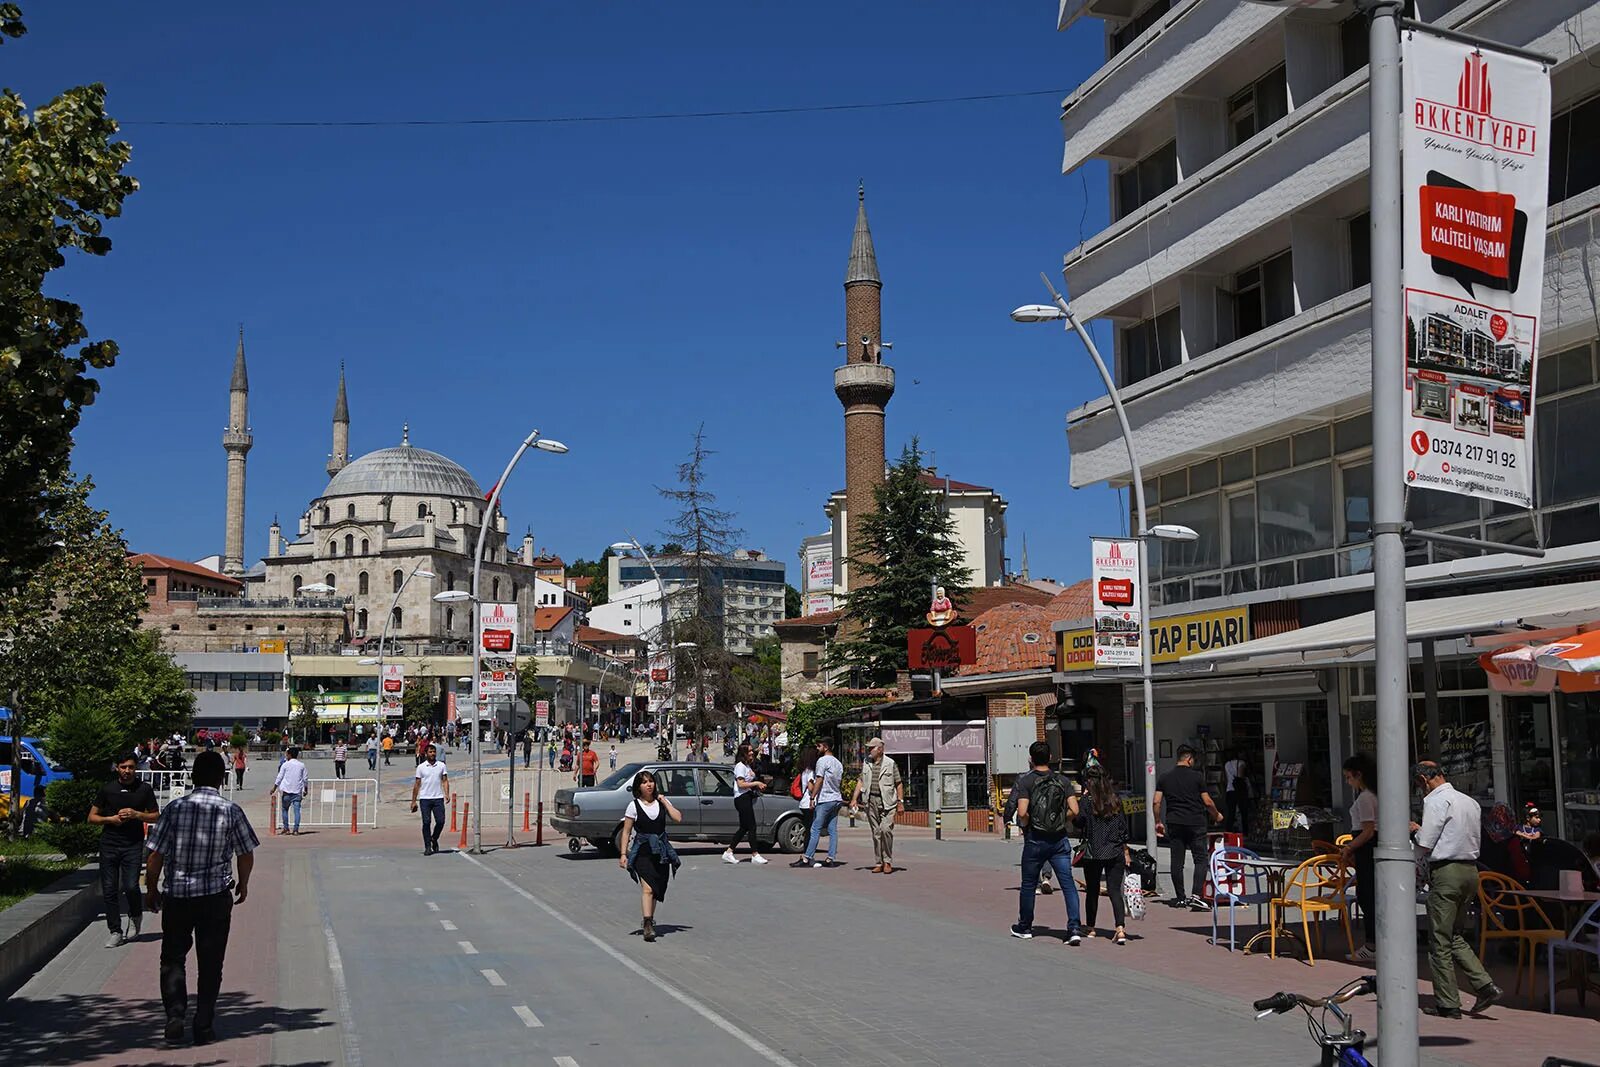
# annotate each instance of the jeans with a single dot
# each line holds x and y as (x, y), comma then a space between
(1113, 870)
(1057, 852)
(238, 777)
(289, 800)
(1190, 839)
(1452, 887)
(1239, 811)
(432, 810)
(372, 760)
(825, 821)
(203, 921)
(119, 881)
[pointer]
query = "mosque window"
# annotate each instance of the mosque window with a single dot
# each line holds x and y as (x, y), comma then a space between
(361, 620)
(449, 579)
(394, 618)
(515, 589)
(422, 511)
(449, 619)
(399, 580)
(361, 583)
(349, 511)
(327, 580)
(297, 582)
(349, 544)
(366, 546)
(494, 594)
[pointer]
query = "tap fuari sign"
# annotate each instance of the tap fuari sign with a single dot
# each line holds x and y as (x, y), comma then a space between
(1475, 130)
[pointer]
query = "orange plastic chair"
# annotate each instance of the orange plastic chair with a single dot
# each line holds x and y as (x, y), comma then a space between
(1343, 840)
(1508, 916)
(1320, 847)
(1316, 887)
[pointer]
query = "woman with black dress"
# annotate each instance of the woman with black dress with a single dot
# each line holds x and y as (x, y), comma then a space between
(647, 854)
(1105, 852)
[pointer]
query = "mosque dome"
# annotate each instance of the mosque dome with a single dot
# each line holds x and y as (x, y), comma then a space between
(403, 469)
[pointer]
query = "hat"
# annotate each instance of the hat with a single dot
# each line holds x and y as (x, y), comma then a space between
(1532, 810)
(875, 742)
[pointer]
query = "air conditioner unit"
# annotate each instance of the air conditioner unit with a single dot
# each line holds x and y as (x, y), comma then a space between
(361, 633)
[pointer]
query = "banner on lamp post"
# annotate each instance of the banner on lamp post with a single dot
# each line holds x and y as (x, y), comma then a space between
(1118, 611)
(392, 687)
(1475, 126)
(497, 650)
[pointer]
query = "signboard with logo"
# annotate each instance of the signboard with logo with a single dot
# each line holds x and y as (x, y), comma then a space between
(594, 701)
(817, 603)
(272, 646)
(497, 648)
(392, 686)
(541, 713)
(943, 649)
(1475, 127)
(1118, 621)
(1171, 638)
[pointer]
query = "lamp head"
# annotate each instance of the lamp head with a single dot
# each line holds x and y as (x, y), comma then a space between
(422, 573)
(1037, 313)
(623, 546)
(1173, 532)
(452, 596)
(369, 661)
(544, 444)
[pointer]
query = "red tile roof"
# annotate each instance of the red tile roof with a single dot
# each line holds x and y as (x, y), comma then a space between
(1013, 637)
(151, 562)
(548, 563)
(1076, 601)
(581, 584)
(821, 618)
(549, 618)
(593, 635)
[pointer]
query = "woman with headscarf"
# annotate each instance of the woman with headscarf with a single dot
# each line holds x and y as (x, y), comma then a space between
(647, 854)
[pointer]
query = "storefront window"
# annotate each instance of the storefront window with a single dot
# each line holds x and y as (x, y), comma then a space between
(1295, 512)
(1580, 764)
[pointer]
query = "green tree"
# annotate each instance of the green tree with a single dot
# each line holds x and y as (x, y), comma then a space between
(61, 179)
(85, 739)
(907, 546)
(599, 571)
(305, 725)
(793, 608)
(149, 696)
(758, 678)
(419, 704)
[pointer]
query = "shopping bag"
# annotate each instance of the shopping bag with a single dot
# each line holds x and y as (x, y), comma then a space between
(1133, 896)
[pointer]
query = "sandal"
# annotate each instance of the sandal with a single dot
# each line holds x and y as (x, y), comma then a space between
(1120, 939)
(1088, 934)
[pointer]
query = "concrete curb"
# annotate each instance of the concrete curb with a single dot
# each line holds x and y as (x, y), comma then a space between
(33, 930)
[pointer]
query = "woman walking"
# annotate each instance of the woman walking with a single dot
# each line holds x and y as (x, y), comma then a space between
(747, 790)
(238, 766)
(647, 854)
(1361, 774)
(1105, 845)
(807, 763)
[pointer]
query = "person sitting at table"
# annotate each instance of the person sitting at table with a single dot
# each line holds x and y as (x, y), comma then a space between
(1532, 828)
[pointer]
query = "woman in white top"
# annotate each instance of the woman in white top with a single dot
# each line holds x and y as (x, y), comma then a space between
(747, 790)
(808, 803)
(647, 854)
(1361, 774)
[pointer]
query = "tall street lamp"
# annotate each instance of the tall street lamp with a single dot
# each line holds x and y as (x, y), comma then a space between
(450, 596)
(633, 545)
(1059, 310)
(691, 648)
(419, 572)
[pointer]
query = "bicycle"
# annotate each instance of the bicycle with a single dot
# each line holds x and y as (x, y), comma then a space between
(1341, 1048)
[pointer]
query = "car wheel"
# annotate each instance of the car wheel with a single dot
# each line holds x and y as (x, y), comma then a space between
(574, 846)
(791, 835)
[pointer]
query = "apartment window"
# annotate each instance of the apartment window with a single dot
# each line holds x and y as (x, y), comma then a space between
(1150, 347)
(1263, 294)
(1242, 528)
(1202, 515)
(1129, 31)
(1574, 153)
(1295, 511)
(1258, 106)
(361, 583)
(1147, 179)
(1354, 43)
(1360, 250)
(1357, 503)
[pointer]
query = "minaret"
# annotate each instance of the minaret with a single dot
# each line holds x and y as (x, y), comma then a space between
(236, 441)
(863, 385)
(340, 456)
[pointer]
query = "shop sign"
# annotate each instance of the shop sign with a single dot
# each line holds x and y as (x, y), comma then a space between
(941, 650)
(272, 646)
(903, 740)
(1118, 620)
(959, 744)
(1475, 125)
(1172, 638)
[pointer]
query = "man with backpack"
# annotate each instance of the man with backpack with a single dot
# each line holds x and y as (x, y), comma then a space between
(1046, 807)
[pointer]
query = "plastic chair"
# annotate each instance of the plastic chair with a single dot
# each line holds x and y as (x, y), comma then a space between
(1316, 887)
(1343, 840)
(1226, 875)
(1509, 917)
(1323, 848)
(1590, 923)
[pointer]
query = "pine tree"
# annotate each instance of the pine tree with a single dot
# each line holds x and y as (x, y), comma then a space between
(905, 548)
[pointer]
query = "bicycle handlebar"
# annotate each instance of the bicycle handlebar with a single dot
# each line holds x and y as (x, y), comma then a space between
(1279, 1003)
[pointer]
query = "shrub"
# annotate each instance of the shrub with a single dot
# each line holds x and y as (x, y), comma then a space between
(72, 838)
(70, 801)
(271, 738)
(85, 738)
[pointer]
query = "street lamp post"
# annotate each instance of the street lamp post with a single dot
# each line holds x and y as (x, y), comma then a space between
(699, 695)
(533, 440)
(1146, 534)
(418, 572)
(633, 545)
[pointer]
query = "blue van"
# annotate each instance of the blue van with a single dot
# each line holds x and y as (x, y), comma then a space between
(32, 762)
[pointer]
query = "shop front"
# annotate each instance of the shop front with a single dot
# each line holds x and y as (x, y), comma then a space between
(917, 747)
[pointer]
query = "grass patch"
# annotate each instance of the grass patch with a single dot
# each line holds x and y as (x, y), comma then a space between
(25, 846)
(20, 878)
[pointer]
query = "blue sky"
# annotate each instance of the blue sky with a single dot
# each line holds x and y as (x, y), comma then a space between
(614, 284)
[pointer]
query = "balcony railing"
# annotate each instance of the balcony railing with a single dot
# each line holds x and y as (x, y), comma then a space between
(277, 603)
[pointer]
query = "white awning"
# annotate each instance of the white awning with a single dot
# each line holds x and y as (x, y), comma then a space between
(1506, 610)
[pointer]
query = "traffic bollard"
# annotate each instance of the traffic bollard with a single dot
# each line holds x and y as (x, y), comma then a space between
(353, 824)
(466, 817)
(272, 817)
(526, 800)
(938, 826)
(991, 820)
(452, 813)
(538, 830)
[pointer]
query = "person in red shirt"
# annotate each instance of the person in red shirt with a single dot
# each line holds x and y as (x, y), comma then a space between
(588, 763)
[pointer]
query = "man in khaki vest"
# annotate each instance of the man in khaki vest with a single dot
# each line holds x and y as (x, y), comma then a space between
(881, 784)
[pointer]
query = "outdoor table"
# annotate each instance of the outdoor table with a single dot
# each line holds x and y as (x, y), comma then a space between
(1578, 962)
(1276, 871)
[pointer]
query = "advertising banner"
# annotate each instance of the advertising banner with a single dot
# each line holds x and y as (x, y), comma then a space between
(541, 713)
(392, 686)
(497, 647)
(1118, 615)
(941, 650)
(1475, 127)
(1172, 637)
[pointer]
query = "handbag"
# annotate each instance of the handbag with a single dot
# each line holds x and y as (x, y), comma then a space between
(1133, 896)
(1080, 853)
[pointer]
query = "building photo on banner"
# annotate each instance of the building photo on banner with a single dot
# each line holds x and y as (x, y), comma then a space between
(1476, 175)
(1118, 618)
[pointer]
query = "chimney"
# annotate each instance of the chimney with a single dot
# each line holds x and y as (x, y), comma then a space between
(305, 524)
(527, 549)
(430, 530)
(274, 539)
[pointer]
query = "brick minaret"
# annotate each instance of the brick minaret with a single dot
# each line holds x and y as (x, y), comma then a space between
(339, 458)
(863, 385)
(236, 441)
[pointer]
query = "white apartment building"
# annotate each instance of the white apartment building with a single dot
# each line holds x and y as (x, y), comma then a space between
(635, 611)
(751, 585)
(1234, 275)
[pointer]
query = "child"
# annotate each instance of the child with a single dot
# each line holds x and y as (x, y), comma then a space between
(1532, 825)
(613, 756)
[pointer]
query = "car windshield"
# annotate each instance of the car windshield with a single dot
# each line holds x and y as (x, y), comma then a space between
(620, 776)
(38, 746)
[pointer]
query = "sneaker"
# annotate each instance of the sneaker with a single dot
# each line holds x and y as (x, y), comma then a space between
(758, 858)
(802, 862)
(1022, 932)
(1441, 1013)
(817, 866)
(1487, 998)
(1074, 938)
(115, 939)
(1046, 888)
(1199, 904)
(1364, 954)
(174, 1031)
(204, 1035)
(728, 856)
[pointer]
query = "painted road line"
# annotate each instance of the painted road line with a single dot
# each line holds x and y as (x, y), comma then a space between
(447, 924)
(347, 1029)
(529, 1019)
(432, 906)
(468, 948)
(721, 1022)
(566, 1061)
(417, 890)
(492, 977)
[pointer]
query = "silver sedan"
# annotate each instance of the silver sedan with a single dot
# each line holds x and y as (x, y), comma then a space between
(703, 792)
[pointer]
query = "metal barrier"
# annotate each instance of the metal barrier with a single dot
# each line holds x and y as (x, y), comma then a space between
(170, 785)
(497, 788)
(326, 802)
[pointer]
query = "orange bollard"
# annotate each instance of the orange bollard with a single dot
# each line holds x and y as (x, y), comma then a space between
(353, 825)
(272, 818)
(538, 830)
(466, 817)
(526, 797)
(452, 813)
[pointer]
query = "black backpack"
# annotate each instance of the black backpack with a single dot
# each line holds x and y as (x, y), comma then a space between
(1047, 805)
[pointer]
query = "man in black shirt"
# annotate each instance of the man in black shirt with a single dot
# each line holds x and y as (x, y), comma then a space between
(1182, 798)
(121, 810)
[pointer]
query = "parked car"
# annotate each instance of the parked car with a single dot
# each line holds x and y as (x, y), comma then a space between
(33, 764)
(703, 792)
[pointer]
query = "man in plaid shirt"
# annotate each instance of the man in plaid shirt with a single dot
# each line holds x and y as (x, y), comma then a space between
(195, 841)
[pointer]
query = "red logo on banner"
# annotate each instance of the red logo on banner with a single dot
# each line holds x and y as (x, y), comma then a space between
(1498, 326)
(1473, 93)
(941, 650)
(1116, 591)
(1419, 443)
(1469, 227)
(658, 674)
